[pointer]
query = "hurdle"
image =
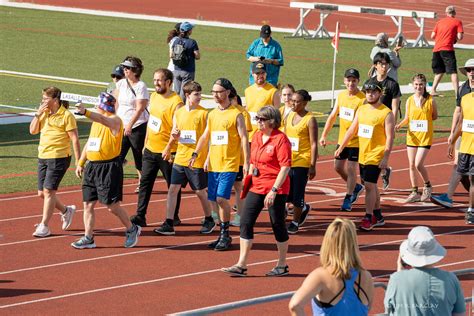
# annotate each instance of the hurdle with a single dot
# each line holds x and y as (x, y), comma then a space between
(326, 9)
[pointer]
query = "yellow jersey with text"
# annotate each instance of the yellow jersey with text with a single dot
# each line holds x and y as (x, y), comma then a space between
(256, 98)
(467, 138)
(54, 139)
(102, 144)
(347, 106)
(298, 134)
(420, 122)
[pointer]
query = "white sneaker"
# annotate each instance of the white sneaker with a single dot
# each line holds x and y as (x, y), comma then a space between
(425, 196)
(41, 231)
(67, 216)
(413, 197)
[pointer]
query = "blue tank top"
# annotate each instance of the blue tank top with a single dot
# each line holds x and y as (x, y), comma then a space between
(349, 304)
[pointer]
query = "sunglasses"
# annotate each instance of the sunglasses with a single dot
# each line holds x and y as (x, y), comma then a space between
(116, 77)
(261, 119)
(469, 69)
(129, 68)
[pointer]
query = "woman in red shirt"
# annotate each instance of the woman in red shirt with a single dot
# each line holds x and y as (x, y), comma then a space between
(270, 162)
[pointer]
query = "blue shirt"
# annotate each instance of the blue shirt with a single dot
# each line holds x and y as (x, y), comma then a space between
(270, 51)
(191, 46)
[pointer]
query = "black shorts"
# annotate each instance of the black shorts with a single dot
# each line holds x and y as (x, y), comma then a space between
(196, 177)
(369, 173)
(465, 164)
(51, 172)
(350, 153)
(240, 174)
(444, 61)
(298, 181)
(103, 181)
(427, 146)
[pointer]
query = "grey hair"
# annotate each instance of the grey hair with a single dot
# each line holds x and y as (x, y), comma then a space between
(272, 114)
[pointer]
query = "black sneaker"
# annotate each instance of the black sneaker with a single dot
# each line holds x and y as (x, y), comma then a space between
(225, 242)
(292, 228)
(213, 244)
(165, 229)
(138, 220)
(176, 221)
(207, 227)
(386, 178)
(469, 218)
(304, 214)
(380, 221)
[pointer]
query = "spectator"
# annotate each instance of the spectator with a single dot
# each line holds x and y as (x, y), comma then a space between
(340, 261)
(117, 75)
(172, 36)
(446, 33)
(270, 162)
(268, 51)
(418, 288)
(381, 46)
(57, 127)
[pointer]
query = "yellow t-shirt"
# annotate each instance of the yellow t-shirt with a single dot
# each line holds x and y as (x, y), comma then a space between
(225, 145)
(54, 139)
(420, 123)
(102, 144)
(248, 126)
(160, 122)
(284, 115)
(347, 106)
(256, 98)
(371, 133)
(298, 135)
(467, 137)
(191, 124)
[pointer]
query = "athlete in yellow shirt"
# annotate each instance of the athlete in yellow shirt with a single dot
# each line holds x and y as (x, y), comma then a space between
(374, 124)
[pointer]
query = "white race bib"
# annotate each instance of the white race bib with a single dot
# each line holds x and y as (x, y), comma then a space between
(295, 143)
(93, 144)
(187, 137)
(219, 138)
(346, 113)
(154, 123)
(468, 126)
(419, 126)
(365, 131)
(253, 118)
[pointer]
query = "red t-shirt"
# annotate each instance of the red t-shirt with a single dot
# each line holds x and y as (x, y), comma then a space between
(268, 158)
(446, 31)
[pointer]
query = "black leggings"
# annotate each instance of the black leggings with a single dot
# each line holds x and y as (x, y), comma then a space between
(136, 141)
(253, 207)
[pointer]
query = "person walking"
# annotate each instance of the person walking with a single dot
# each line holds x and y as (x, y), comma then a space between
(381, 46)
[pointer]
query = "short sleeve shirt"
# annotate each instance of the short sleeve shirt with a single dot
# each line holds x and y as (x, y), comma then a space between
(465, 89)
(190, 46)
(391, 90)
(127, 101)
(446, 31)
(54, 139)
(270, 51)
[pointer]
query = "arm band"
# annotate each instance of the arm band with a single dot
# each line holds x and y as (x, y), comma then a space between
(81, 163)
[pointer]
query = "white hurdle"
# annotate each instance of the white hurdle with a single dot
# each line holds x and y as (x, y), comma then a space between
(326, 9)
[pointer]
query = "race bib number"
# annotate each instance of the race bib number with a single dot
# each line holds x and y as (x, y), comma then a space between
(346, 113)
(468, 126)
(365, 131)
(219, 138)
(419, 126)
(253, 118)
(187, 137)
(93, 144)
(295, 143)
(154, 123)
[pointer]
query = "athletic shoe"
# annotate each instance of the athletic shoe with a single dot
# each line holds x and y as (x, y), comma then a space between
(359, 188)
(304, 214)
(84, 242)
(165, 229)
(368, 222)
(176, 221)
(442, 200)
(386, 178)
(41, 231)
(131, 237)
(425, 196)
(138, 220)
(236, 221)
(213, 244)
(225, 242)
(292, 228)
(413, 197)
(380, 221)
(346, 205)
(67, 216)
(207, 227)
(469, 218)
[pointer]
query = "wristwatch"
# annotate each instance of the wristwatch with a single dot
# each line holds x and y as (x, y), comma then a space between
(194, 155)
(274, 190)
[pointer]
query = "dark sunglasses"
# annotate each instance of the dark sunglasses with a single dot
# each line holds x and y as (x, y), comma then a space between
(116, 77)
(261, 119)
(469, 69)
(129, 68)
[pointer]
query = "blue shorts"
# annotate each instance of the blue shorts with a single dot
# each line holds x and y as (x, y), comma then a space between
(220, 185)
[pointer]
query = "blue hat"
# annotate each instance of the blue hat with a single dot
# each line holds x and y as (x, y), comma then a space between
(186, 26)
(118, 71)
(107, 102)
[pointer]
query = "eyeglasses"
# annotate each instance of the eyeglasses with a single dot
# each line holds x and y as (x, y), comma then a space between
(469, 69)
(116, 77)
(261, 119)
(217, 91)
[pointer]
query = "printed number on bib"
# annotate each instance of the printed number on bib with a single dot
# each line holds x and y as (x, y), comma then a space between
(93, 144)
(187, 137)
(419, 126)
(219, 138)
(468, 126)
(346, 113)
(253, 118)
(154, 123)
(295, 143)
(365, 131)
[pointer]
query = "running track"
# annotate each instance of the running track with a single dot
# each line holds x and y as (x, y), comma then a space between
(171, 274)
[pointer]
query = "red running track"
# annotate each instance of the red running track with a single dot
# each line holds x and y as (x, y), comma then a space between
(166, 274)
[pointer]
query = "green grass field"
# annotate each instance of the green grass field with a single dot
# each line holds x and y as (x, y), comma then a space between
(87, 47)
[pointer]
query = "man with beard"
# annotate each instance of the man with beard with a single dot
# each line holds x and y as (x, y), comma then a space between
(374, 124)
(158, 147)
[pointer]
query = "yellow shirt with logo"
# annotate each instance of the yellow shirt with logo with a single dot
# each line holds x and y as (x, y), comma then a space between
(467, 137)
(54, 139)
(191, 124)
(420, 122)
(102, 144)
(298, 134)
(347, 106)
(225, 144)
(160, 122)
(256, 98)
(371, 133)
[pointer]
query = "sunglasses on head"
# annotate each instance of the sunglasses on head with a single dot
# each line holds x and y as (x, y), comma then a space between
(261, 119)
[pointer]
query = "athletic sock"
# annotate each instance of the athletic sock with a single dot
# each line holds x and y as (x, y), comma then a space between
(428, 184)
(209, 218)
(170, 222)
(414, 189)
(348, 196)
(378, 213)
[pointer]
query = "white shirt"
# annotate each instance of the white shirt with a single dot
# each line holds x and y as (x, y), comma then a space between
(126, 101)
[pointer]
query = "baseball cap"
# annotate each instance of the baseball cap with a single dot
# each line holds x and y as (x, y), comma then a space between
(469, 64)
(352, 72)
(118, 71)
(421, 248)
(186, 26)
(265, 31)
(107, 102)
(258, 68)
(224, 83)
(372, 86)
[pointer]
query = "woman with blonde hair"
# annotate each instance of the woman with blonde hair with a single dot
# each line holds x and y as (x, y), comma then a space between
(340, 286)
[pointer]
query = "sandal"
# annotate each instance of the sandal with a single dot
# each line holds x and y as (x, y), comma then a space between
(278, 271)
(235, 271)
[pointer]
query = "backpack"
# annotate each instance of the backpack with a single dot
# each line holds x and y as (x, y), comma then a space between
(178, 54)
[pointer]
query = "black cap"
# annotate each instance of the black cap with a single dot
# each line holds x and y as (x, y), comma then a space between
(224, 83)
(265, 31)
(118, 71)
(372, 86)
(258, 68)
(351, 72)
